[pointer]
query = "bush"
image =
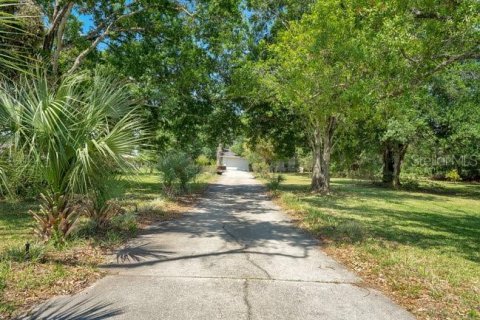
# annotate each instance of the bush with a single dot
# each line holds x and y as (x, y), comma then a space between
(203, 161)
(83, 132)
(18, 179)
(120, 227)
(261, 169)
(305, 162)
(453, 175)
(57, 218)
(102, 215)
(275, 181)
(178, 170)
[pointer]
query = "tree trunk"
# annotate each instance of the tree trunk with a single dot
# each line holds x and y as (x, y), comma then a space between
(393, 156)
(219, 154)
(388, 164)
(327, 151)
(58, 15)
(322, 150)
(59, 39)
(317, 178)
(397, 165)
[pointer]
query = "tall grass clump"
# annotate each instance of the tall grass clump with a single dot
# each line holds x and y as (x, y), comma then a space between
(177, 170)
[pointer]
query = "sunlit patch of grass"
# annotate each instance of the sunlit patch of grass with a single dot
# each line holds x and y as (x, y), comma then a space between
(145, 196)
(422, 247)
(15, 223)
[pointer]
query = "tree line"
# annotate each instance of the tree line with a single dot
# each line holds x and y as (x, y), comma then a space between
(357, 86)
(354, 80)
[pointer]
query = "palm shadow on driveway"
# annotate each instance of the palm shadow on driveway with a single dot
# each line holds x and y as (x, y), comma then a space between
(60, 309)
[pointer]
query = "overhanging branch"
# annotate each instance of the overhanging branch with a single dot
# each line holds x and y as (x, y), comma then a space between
(99, 39)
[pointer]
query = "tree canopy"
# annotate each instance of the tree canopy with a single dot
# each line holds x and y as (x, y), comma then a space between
(361, 84)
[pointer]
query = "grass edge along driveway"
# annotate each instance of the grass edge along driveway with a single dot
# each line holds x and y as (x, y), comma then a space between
(58, 271)
(420, 247)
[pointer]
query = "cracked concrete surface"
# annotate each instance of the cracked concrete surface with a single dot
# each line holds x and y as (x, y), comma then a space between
(234, 256)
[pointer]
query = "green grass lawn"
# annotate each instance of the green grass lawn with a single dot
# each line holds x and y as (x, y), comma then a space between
(422, 247)
(53, 271)
(15, 223)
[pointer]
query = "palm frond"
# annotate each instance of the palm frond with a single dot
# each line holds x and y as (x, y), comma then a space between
(13, 56)
(75, 134)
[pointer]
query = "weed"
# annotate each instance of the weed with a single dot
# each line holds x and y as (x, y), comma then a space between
(275, 181)
(126, 222)
(34, 253)
(352, 231)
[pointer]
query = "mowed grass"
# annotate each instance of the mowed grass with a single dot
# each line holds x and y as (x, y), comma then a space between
(53, 271)
(421, 247)
(144, 195)
(15, 223)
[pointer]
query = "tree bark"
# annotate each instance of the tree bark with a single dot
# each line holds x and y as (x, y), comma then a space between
(387, 176)
(59, 39)
(317, 177)
(322, 150)
(58, 16)
(393, 156)
(219, 154)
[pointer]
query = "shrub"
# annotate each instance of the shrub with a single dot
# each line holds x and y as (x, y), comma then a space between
(453, 175)
(57, 217)
(203, 161)
(82, 133)
(306, 162)
(126, 222)
(261, 169)
(275, 182)
(101, 215)
(178, 170)
(17, 177)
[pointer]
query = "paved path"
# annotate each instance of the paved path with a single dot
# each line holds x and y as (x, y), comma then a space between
(235, 256)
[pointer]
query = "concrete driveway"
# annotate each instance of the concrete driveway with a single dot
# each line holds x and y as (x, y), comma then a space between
(235, 256)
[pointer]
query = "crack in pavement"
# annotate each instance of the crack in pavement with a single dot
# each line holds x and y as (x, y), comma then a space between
(245, 300)
(249, 259)
(244, 247)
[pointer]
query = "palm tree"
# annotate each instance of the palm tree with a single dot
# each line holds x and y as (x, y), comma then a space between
(77, 135)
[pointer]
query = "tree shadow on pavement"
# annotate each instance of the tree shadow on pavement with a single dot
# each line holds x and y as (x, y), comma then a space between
(239, 215)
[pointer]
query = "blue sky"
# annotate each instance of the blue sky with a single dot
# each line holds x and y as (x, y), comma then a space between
(86, 20)
(87, 25)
